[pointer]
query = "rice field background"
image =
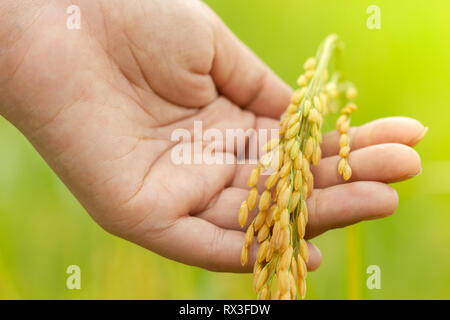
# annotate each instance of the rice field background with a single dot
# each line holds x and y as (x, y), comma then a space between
(401, 69)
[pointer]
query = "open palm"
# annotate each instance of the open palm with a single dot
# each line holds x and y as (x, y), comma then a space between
(100, 105)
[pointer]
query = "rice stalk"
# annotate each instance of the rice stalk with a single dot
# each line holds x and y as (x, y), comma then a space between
(280, 269)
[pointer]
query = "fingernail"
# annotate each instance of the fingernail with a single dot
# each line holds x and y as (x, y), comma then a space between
(415, 175)
(420, 137)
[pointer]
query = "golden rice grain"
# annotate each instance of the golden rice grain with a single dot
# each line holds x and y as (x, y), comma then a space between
(305, 166)
(276, 231)
(305, 210)
(263, 233)
(302, 81)
(343, 140)
(271, 180)
(264, 200)
(351, 93)
(295, 150)
(280, 186)
(298, 96)
(309, 148)
(270, 218)
(304, 250)
(295, 198)
(284, 219)
(314, 116)
(294, 269)
(249, 236)
(309, 74)
(341, 165)
(284, 197)
(292, 108)
(262, 251)
(301, 226)
(317, 104)
(243, 214)
(292, 285)
(298, 180)
(270, 253)
(256, 268)
(252, 198)
(286, 259)
(285, 169)
(344, 152)
(350, 108)
(343, 128)
(244, 255)
(310, 63)
(285, 239)
(306, 108)
(283, 281)
(259, 220)
(262, 277)
(301, 267)
(315, 130)
(294, 119)
(293, 131)
(310, 182)
(305, 190)
(341, 120)
(347, 173)
(254, 177)
(286, 296)
(264, 295)
(298, 162)
(302, 288)
(317, 155)
(277, 159)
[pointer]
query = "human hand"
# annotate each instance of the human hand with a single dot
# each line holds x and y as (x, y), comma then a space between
(100, 105)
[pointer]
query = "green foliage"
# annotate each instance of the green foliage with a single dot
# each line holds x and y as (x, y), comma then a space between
(401, 69)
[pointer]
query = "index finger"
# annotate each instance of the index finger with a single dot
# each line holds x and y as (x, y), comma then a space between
(402, 130)
(243, 78)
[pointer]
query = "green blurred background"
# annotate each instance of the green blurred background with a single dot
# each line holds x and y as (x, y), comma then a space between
(401, 69)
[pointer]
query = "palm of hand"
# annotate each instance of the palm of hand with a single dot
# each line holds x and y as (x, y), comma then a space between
(127, 80)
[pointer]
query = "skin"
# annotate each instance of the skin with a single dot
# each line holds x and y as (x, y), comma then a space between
(100, 104)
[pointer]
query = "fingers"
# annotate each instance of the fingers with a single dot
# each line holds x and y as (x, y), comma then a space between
(315, 257)
(244, 79)
(329, 208)
(401, 130)
(197, 242)
(223, 212)
(390, 162)
(343, 205)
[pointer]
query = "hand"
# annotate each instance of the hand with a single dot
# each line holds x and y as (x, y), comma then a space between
(100, 104)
